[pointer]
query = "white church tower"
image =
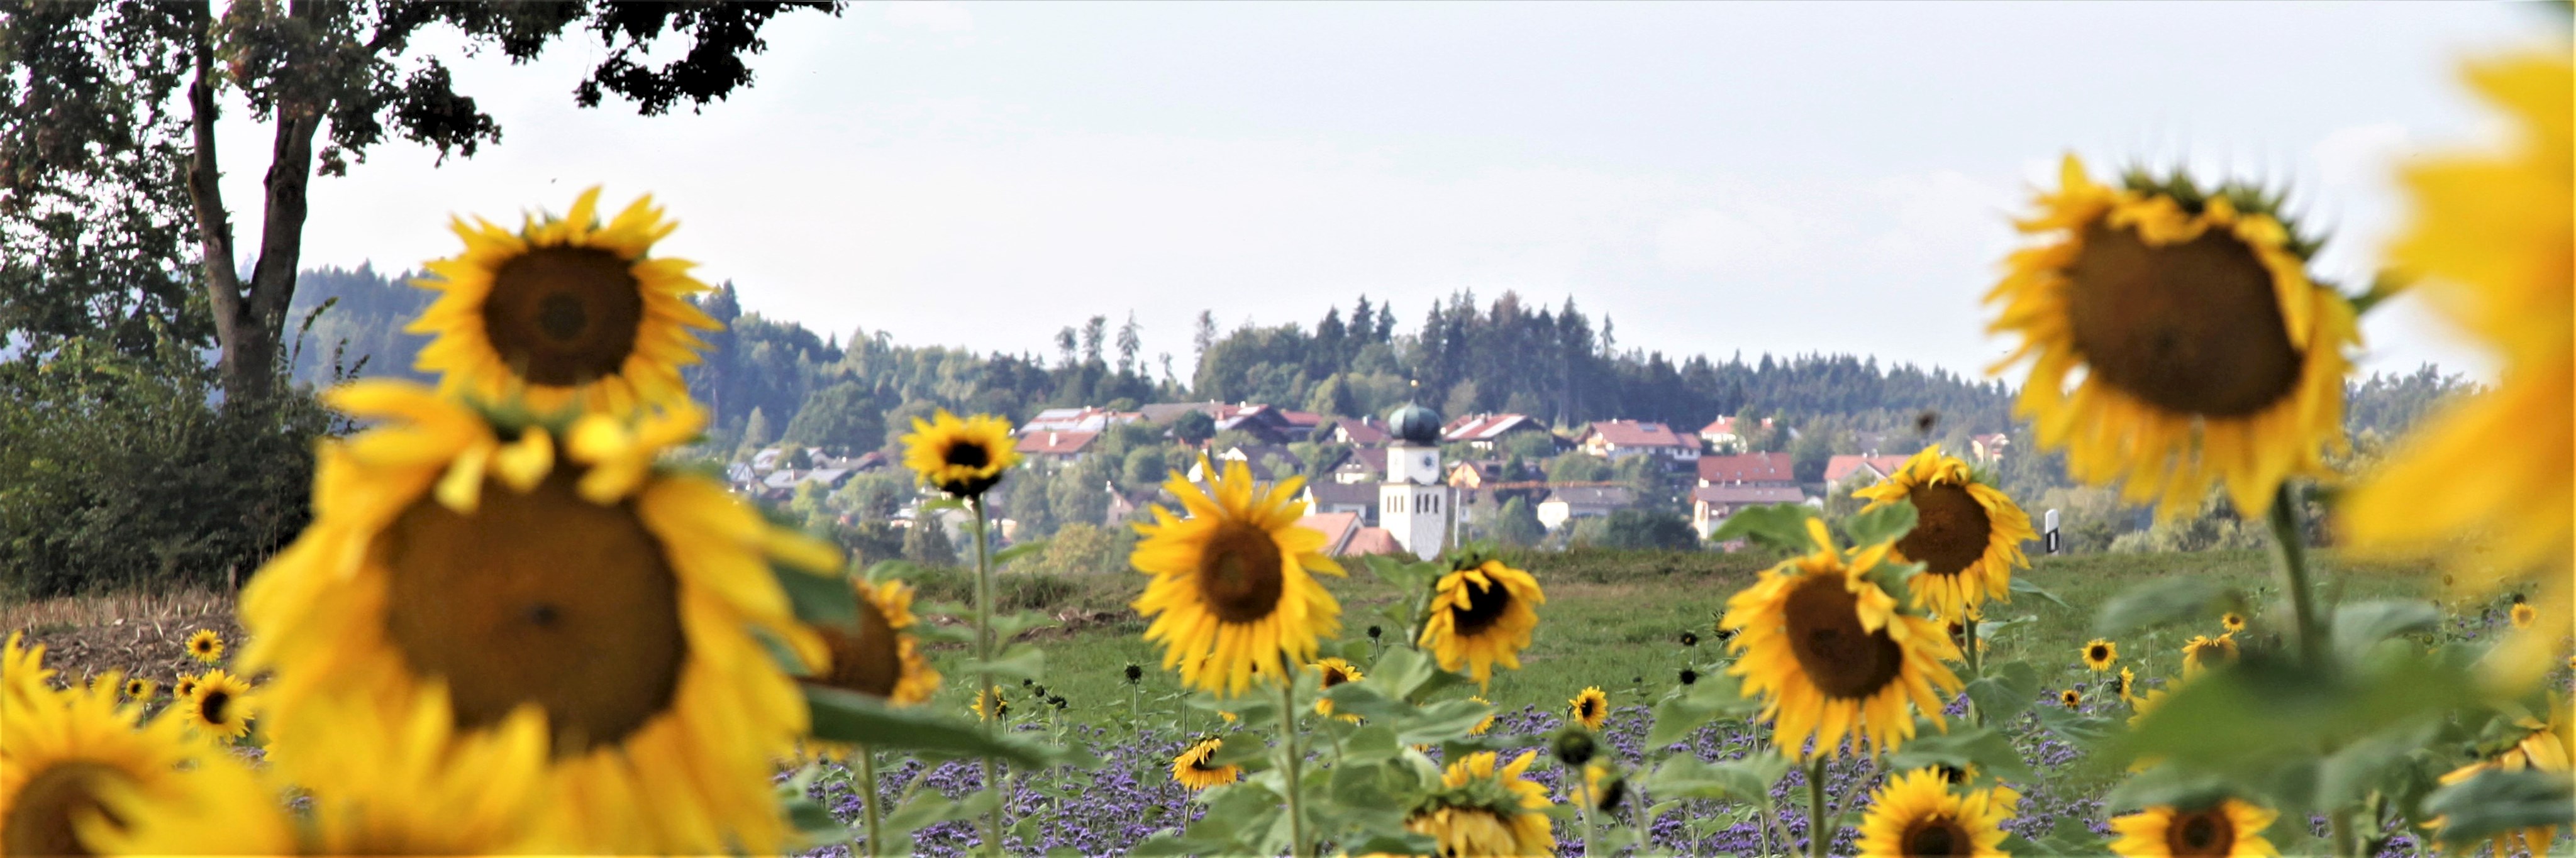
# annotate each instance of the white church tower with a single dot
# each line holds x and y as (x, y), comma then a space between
(1414, 505)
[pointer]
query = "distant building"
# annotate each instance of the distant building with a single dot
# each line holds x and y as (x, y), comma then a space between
(1713, 505)
(1414, 506)
(1324, 496)
(1621, 439)
(1065, 447)
(1483, 431)
(1723, 435)
(1859, 470)
(1573, 502)
(1363, 465)
(1761, 469)
(1085, 419)
(1359, 432)
(1989, 449)
(1473, 475)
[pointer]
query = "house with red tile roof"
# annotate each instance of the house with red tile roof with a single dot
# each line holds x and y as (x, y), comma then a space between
(1360, 431)
(1058, 447)
(1483, 431)
(1989, 449)
(1860, 470)
(1760, 469)
(1621, 439)
(1713, 505)
(1723, 433)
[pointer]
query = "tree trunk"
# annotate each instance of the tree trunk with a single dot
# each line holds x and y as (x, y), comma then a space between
(250, 318)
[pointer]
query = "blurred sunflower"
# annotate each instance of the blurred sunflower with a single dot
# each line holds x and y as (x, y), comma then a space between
(206, 646)
(2203, 652)
(1832, 657)
(1590, 708)
(185, 687)
(2099, 654)
(2490, 246)
(2228, 829)
(426, 791)
(2543, 749)
(63, 752)
(1192, 768)
(627, 604)
(1966, 534)
(1916, 813)
(1480, 811)
(1484, 725)
(2127, 686)
(876, 654)
(1482, 616)
(564, 311)
(990, 705)
(2199, 349)
(1591, 793)
(1233, 590)
(221, 706)
(2070, 698)
(1331, 672)
(2232, 621)
(960, 457)
(22, 668)
(2523, 615)
(139, 688)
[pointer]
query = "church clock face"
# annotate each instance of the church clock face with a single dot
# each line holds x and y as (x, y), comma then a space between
(1426, 461)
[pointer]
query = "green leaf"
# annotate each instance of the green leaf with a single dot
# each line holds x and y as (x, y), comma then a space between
(1779, 527)
(1017, 661)
(1981, 747)
(1884, 524)
(1008, 626)
(2264, 710)
(2359, 625)
(818, 599)
(814, 822)
(1717, 694)
(2006, 690)
(1748, 779)
(1370, 744)
(2496, 801)
(1018, 551)
(1441, 722)
(892, 570)
(2163, 601)
(2022, 584)
(843, 716)
(2347, 775)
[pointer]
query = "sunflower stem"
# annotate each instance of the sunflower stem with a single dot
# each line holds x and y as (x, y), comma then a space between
(2289, 545)
(1819, 841)
(1637, 816)
(1295, 761)
(986, 693)
(1976, 667)
(1582, 805)
(868, 799)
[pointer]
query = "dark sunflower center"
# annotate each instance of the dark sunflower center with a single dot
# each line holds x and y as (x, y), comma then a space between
(40, 817)
(967, 454)
(1939, 835)
(1951, 774)
(213, 706)
(1480, 610)
(1334, 676)
(868, 658)
(1240, 577)
(1825, 635)
(1950, 529)
(537, 598)
(2192, 328)
(204, 646)
(2099, 653)
(1590, 708)
(1205, 761)
(2207, 832)
(564, 315)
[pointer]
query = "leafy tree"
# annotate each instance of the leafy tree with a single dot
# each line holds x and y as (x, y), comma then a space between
(1145, 467)
(85, 89)
(756, 432)
(1643, 529)
(1578, 467)
(844, 415)
(926, 542)
(1193, 428)
(1517, 525)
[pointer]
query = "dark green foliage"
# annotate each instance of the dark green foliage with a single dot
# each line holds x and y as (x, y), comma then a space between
(120, 471)
(843, 416)
(358, 319)
(1638, 529)
(1516, 525)
(926, 542)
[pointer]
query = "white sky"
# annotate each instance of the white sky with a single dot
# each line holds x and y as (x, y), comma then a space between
(1715, 177)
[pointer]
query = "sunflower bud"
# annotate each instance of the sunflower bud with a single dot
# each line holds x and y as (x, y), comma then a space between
(1573, 747)
(1135, 674)
(1613, 793)
(1690, 677)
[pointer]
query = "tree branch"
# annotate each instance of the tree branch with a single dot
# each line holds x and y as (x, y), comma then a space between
(214, 227)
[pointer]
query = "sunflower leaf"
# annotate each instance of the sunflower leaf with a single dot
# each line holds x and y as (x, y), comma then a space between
(1716, 695)
(2022, 584)
(1980, 747)
(2164, 601)
(2496, 801)
(2005, 691)
(1015, 552)
(1017, 661)
(1779, 527)
(2359, 625)
(818, 599)
(843, 716)
(1882, 525)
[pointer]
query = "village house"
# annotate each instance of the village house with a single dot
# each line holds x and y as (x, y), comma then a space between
(1989, 449)
(1359, 432)
(1322, 496)
(1483, 431)
(1573, 502)
(1268, 462)
(1363, 465)
(1722, 434)
(1852, 471)
(1747, 469)
(1085, 419)
(1054, 447)
(1620, 439)
(1474, 474)
(1713, 505)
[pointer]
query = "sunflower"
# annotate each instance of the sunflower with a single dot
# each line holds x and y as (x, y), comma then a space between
(1484, 725)
(22, 668)
(1331, 672)
(2205, 353)
(628, 604)
(564, 311)
(1590, 793)
(960, 457)
(1966, 534)
(183, 688)
(1192, 769)
(2541, 749)
(1233, 591)
(140, 688)
(876, 654)
(2228, 829)
(2203, 652)
(1590, 708)
(1000, 706)
(222, 705)
(2100, 654)
(61, 752)
(1479, 811)
(2070, 698)
(1830, 654)
(1916, 813)
(2232, 621)
(2490, 249)
(429, 792)
(206, 646)
(2127, 686)
(2523, 615)
(1482, 616)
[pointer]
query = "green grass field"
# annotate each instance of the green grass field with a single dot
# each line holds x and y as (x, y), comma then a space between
(1614, 619)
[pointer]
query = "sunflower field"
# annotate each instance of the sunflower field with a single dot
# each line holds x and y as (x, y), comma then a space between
(515, 625)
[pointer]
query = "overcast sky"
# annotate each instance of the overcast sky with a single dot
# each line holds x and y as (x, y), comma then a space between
(1714, 177)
